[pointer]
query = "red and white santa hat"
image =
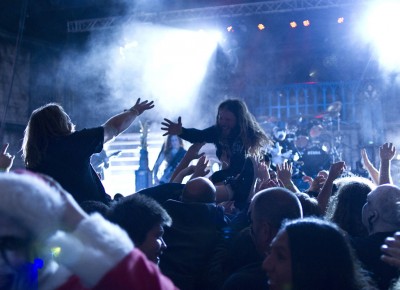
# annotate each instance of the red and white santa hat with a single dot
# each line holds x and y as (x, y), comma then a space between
(29, 201)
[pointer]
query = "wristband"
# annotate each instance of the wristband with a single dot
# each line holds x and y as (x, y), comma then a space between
(134, 111)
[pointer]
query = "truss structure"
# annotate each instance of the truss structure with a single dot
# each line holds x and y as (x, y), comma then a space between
(226, 11)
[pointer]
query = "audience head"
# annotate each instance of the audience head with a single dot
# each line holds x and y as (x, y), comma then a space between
(172, 142)
(312, 254)
(381, 211)
(143, 219)
(308, 204)
(30, 212)
(199, 189)
(93, 206)
(268, 209)
(347, 205)
(45, 122)
(234, 119)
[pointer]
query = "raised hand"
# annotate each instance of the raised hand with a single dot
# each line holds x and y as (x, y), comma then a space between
(284, 172)
(140, 107)
(336, 170)
(172, 128)
(193, 151)
(317, 183)
(387, 151)
(6, 159)
(201, 167)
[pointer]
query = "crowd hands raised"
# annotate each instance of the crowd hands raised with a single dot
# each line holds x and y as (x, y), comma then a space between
(244, 229)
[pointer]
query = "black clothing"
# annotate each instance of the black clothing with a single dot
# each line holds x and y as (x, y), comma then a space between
(163, 192)
(368, 250)
(232, 146)
(191, 240)
(67, 160)
(249, 277)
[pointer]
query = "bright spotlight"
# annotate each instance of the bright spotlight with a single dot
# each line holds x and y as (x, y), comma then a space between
(293, 24)
(306, 23)
(261, 26)
(230, 28)
(340, 20)
(380, 28)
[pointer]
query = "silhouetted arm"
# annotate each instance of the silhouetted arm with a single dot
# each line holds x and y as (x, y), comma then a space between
(386, 153)
(120, 122)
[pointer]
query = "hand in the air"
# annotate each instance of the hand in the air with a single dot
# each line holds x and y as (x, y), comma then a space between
(172, 128)
(140, 107)
(387, 151)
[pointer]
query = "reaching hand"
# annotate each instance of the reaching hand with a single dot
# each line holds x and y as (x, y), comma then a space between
(172, 128)
(317, 183)
(284, 172)
(6, 159)
(269, 183)
(387, 151)
(200, 169)
(193, 151)
(140, 107)
(336, 169)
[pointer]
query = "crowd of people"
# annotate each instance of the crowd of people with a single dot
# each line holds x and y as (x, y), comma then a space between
(247, 226)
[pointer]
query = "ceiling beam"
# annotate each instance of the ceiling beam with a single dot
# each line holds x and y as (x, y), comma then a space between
(226, 11)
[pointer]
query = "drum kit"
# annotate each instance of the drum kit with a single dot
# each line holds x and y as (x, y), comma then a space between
(315, 140)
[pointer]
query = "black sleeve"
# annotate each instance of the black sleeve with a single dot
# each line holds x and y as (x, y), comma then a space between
(192, 135)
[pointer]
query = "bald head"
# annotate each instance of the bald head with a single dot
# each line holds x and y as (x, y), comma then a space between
(199, 189)
(274, 205)
(268, 209)
(381, 211)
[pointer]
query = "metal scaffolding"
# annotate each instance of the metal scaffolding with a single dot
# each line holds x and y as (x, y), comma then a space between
(226, 11)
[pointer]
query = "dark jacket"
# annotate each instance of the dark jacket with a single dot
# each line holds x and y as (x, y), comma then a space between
(191, 240)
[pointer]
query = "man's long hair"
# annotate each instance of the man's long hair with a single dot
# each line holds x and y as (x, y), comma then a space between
(250, 132)
(45, 123)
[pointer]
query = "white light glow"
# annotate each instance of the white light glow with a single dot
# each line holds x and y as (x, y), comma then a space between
(166, 65)
(380, 28)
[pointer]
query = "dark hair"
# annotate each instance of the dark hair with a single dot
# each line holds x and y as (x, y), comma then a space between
(348, 204)
(93, 206)
(167, 147)
(308, 204)
(137, 214)
(250, 132)
(322, 257)
(45, 122)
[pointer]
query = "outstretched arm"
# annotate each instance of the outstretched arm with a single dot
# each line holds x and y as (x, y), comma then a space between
(373, 172)
(120, 122)
(326, 191)
(191, 154)
(386, 152)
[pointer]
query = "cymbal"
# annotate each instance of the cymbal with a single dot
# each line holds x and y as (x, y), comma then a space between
(335, 107)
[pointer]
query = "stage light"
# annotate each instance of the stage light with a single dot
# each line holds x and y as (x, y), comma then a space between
(380, 29)
(261, 26)
(230, 28)
(306, 23)
(340, 20)
(293, 24)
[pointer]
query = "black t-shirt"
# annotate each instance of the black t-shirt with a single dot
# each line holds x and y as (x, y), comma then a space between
(67, 160)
